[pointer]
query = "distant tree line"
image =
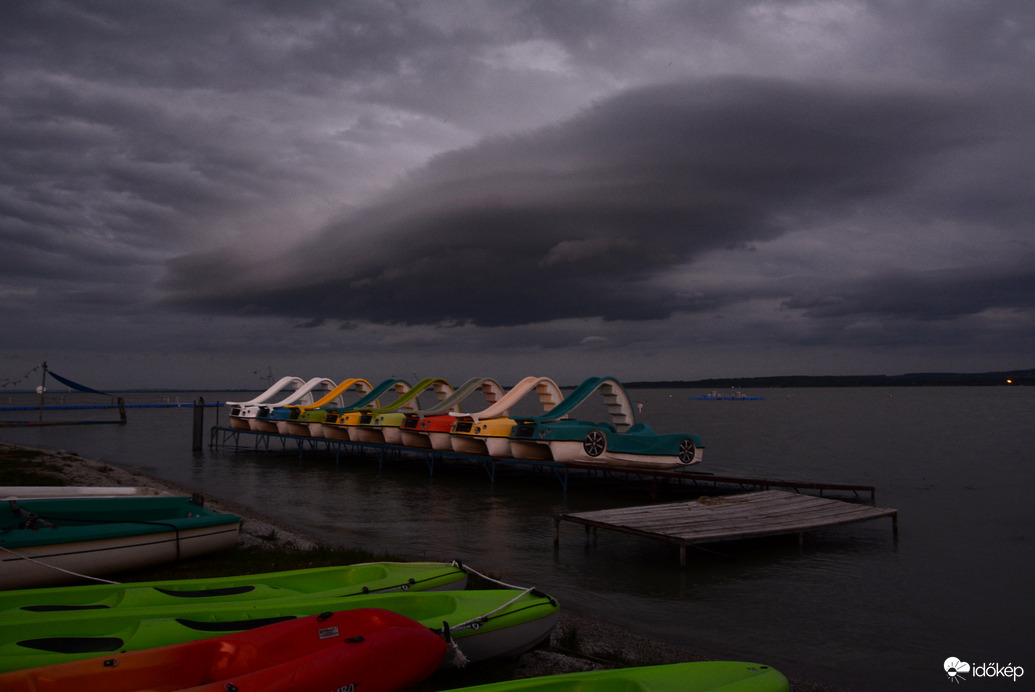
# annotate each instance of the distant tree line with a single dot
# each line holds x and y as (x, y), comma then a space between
(920, 379)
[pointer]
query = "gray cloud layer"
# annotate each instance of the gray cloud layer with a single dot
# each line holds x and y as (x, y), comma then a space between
(757, 187)
(587, 218)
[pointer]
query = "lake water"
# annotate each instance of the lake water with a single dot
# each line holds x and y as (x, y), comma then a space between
(850, 608)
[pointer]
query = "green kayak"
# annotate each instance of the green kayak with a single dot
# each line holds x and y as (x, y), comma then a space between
(730, 676)
(316, 583)
(482, 624)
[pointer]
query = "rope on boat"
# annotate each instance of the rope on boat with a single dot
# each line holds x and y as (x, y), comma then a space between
(522, 592)
(55, 567)
(459, 660)
(460, 565)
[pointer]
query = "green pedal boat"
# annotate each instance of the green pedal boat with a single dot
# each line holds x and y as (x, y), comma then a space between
(703, 676)
(483, 624)
(316, 583)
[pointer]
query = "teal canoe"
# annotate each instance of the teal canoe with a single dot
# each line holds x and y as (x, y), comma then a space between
(702, 676)
(51, 542)
(316, 583)
(482, 623)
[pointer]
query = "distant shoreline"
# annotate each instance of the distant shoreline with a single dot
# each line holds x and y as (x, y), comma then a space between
(1003, 378)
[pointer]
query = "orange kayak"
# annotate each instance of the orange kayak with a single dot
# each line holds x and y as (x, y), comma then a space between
(368, 649)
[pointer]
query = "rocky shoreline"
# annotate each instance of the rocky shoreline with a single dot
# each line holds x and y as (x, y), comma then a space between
(599, 645)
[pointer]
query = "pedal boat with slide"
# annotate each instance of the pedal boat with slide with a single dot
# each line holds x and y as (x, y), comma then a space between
(487, 432)
(620, 442)
(323, 422)
(374, 426)
(429, 428)
(289, 421)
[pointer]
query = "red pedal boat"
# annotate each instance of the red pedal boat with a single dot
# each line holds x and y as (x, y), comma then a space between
(368, 649)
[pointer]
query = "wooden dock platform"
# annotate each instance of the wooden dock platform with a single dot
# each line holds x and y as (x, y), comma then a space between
(728, 517)
(649, 479)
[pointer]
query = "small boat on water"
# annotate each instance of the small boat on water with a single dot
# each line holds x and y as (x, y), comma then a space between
(698, 676)
(285, 586)
(619, 442)
(482, 624)
(369, 650)
(714, 395)
(47, 542)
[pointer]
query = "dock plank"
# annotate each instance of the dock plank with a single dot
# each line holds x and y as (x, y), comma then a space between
(729, 517)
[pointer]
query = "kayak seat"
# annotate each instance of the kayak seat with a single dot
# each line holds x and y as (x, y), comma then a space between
(74, 645)
(208, 593)
(55, 608)
(231, 625)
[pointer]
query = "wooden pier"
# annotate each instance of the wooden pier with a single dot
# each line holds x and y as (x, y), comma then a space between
(729, 517)
(650, 479)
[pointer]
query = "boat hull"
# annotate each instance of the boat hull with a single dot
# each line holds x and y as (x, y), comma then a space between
(575, 453)
(50, 492)
(698, 676)
(486, 437)
(101, 557)
(95, 536)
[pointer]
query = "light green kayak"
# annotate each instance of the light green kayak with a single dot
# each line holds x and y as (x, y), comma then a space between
(483, 624)
(317, 583)
(729, 676)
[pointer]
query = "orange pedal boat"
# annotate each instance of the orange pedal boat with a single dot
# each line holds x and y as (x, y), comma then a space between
(367, 649)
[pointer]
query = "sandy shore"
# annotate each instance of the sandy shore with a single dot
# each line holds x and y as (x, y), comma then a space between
(600, 645)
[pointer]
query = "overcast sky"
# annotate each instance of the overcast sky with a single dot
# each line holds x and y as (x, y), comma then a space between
(194, 194)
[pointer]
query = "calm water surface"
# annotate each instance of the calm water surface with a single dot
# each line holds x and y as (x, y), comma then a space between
(850, 608)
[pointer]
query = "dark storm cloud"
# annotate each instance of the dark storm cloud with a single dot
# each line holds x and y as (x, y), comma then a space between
(580, 219)
(927, 295)
(542, 178)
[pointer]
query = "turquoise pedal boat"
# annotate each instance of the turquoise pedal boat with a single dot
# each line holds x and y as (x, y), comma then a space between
(483, 624)
(291, 585)
(702, 676)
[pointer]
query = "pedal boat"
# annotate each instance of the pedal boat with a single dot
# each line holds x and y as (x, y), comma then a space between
(428, 428)
(487, 432)
(381, 426)
(619, 443)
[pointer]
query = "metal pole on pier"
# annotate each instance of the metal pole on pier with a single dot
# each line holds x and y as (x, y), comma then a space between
(199, 423)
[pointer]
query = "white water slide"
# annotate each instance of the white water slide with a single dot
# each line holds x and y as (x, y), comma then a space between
(548, 391)
(280, 385)
(306, 394)
(243, 415)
